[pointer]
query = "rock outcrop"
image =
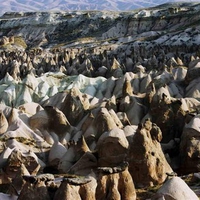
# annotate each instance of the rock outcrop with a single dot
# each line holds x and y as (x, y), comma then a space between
(115, 183)
(147, 163)
(36, 187)
(107, 116)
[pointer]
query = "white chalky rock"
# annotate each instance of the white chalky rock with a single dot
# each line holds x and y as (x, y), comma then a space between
(176, 188)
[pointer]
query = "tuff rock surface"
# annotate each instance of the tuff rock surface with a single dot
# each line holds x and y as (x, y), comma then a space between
(106, 117)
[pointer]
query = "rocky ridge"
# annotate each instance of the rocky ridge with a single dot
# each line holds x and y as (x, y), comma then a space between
(168, 24)
(67, 5)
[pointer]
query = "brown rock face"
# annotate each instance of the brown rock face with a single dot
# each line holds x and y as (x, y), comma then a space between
(39, 120)
(190, 148)
(78, 188)
(57, 122)
(16, 159)
(169, 116)
(87, 191)
(67, 192)
(37, 187)
(75, 105)
(112, 148)
(34, 191)
(115, 186)
(147, 163)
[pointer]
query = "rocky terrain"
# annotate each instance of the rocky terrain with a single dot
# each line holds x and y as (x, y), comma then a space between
(68, 5)
(100, 105)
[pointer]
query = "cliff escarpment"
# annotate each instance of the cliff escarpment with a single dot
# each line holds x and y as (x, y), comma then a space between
(170, 24)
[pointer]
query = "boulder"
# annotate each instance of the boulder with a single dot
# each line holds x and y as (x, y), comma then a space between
(175, 188)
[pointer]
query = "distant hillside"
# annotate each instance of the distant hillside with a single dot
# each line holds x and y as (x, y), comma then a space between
(169, 24)
(47, 5)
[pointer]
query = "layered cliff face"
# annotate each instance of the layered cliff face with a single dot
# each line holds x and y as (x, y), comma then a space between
(172, 24)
